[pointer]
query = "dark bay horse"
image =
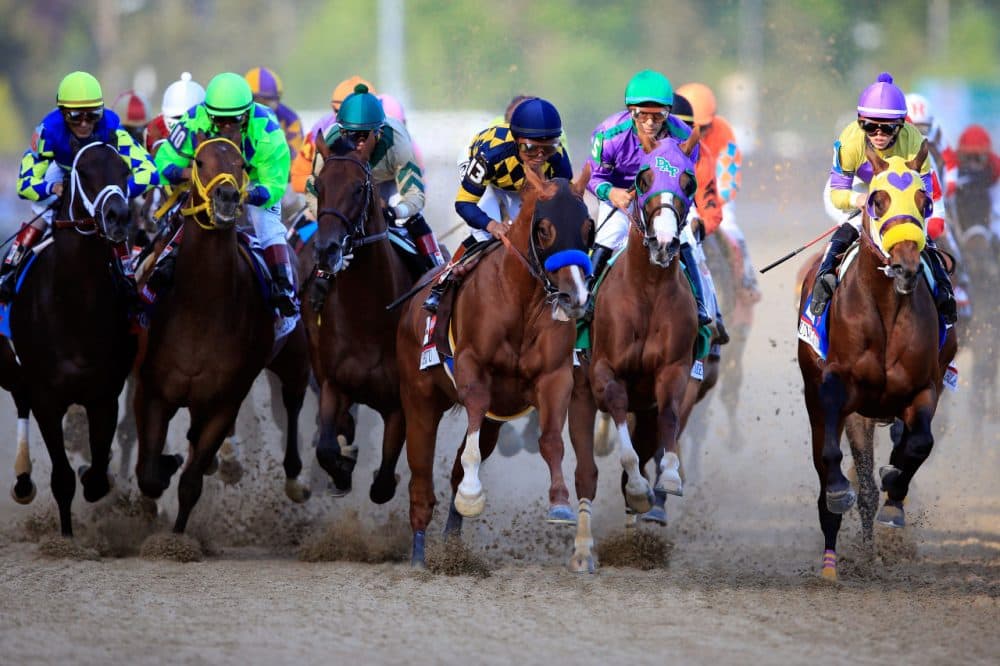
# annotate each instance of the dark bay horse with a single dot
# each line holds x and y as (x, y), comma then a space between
(513, 331)
(644, 331)
(69, 325)
(353, 336)
(209, 337)
(884, 361)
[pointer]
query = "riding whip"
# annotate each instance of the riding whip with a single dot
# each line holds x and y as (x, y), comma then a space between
(809, 244)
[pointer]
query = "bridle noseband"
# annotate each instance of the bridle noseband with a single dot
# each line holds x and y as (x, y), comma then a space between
(356, 235)
(96, 223)
(204, 190)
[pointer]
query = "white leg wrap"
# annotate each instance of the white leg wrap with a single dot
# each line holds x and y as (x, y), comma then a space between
(22, 461)
(470, 500)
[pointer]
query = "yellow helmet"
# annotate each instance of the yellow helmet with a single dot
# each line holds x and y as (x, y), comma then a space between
(79, 90)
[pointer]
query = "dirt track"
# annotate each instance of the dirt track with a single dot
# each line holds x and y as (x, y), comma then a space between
(738, 580)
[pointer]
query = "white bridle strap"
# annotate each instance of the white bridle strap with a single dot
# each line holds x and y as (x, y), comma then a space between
(76, 188)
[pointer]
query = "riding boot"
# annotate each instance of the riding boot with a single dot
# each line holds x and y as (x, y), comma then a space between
(26, 239)
(422, 236)
(826, 279)
(161, 276)
(282, 279)
(944, 297)
(599, 257)
(694, 275)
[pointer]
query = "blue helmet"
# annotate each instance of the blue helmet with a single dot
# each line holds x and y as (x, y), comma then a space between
(536, 118)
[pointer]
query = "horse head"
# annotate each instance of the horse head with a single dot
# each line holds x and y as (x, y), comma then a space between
(347, 212)
(665, 186)
(561, 235)
(219, 182)
(896, 209)
(98, 182)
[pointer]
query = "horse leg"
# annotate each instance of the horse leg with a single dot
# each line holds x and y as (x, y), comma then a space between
(127, 430)
(211, 432)
(49, 418)
(638, 494)
(292, 396)
(582, 411)
(489, 435)
(907, 456)
(335, 454)
(553, 392)
(729, 392)
(23, 491)
(673, 389)
(102, 418)
(474, 393)
(861, 436)
(832, 396)
(829, 522)
(384, 484)
(153, 469)
(645, 436)
(421, 433)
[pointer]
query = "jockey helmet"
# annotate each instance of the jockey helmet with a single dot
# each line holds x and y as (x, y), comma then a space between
(228, 95)
(392, 107)
(918, 110)
(361, 111)
(702, 100)
(132, 108)
(882, 100)
(79, 90)
(180, 96)
(535, 118)
(649, 87)
(264, 83)
(682, 109)
(345, 88)
(975, 139)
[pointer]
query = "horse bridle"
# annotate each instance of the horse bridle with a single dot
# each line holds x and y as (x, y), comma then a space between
(356, 234)
(640, 215)
(204, 190)
(96, 223)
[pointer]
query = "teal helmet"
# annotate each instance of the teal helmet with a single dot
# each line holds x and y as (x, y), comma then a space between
(649, 87)
(228, 95)
(361, 111)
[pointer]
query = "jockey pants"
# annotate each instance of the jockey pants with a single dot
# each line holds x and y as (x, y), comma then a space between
(267, 224)
(499, 205)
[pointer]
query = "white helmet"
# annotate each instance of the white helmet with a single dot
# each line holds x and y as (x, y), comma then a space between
(179, 97)
(918, 110)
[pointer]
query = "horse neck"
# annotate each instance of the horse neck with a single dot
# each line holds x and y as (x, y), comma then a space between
(873, 281)
(206, 262)
(639, 270)
(514, 274)
(79, 257)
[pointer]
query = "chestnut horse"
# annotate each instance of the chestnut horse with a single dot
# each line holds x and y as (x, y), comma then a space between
(513, 330)
(69, 326)
(353, 335)
(885, 359)
(209, 337)
(644, 330)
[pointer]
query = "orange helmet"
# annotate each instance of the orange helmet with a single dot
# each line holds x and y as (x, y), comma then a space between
(132, 108)
(702, 101)
(345, 88)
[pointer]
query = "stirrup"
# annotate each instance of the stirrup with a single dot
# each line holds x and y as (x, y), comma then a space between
(433, 299)
(822, 293)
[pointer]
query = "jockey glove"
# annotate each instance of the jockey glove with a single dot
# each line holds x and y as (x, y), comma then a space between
(258, 195)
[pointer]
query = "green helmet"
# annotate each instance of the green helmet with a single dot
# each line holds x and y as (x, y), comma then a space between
(228, 95)
(361, 111)
(79, 90)
(649, 86)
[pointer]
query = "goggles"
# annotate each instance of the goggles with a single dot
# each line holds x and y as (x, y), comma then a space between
(641, 116)
(229, 120)
(871, 127)
(534, 149)
(355, 136)
(79, 116)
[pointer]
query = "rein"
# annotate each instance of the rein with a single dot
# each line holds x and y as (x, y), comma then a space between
(204, 189)
(88, 226)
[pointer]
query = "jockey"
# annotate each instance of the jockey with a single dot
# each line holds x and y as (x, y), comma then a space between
(881, 124)
(228, 103)
(978, 193)
(718, 135)
(361, 119)
(80, 118)
(267, 90)
(133, 112)
(179, 96)
(498, 157)
(616, 156)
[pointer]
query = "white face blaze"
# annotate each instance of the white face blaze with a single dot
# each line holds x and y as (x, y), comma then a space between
(579, 283)
(665, 226)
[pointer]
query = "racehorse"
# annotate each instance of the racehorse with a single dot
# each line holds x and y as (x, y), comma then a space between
(883, 360)
(353, 335)
(209, 336)
(513, 333)
(70, 328)
(644, 330)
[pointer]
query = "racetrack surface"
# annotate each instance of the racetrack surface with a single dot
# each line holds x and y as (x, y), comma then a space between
(736, 579)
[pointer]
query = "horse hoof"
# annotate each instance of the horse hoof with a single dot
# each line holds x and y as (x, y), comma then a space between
(334, 491)
(297, 491)
(560, 514)
(582, 563)
(230, 471)
(382, 492)
(453, 526)
(891, 515)
(24, 490)
(470, 507)
(839, 501)
(829, 573)
(829, 565)
(658, 515)
(888, 475)
(639, 496)
(213, 466)
(670, 475)
(94, 489)
(631, 519)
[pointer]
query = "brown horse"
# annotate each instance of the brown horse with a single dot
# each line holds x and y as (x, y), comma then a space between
(209, 337)
(513, 341)
(353, 336)
(883, 361)
(69, 325)
(644, 331)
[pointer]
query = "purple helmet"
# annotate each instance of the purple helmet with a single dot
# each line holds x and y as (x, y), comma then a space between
(882, 100)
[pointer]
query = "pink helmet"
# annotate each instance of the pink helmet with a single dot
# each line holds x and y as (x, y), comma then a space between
(882, 100)
(392, 107)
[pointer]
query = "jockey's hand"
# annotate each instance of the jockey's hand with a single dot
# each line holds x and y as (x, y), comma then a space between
(621, 198)
(57, 189)
(859, 200)
(498, 229)
(698, 229)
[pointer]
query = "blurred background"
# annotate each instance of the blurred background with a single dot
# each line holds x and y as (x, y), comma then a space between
(787, 74)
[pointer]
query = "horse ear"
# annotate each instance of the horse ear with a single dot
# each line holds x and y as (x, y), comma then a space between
(579, 186)
(689, 143)
(321, 145)
(878, 164)
(534, 180)
(918, 161)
